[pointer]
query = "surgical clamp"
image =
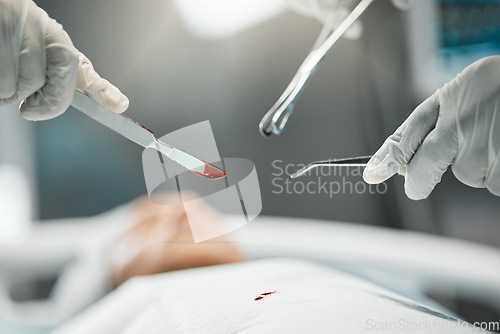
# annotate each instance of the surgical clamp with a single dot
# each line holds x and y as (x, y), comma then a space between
(275, 120)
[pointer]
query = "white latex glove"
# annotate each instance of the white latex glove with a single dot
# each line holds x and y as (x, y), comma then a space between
(459, 125)
(40, 66)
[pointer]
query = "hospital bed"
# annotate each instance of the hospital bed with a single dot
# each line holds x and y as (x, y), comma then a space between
(408, 263)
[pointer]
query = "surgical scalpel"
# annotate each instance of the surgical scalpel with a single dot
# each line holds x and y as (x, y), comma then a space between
(143, 136)
(275, 120)
(349, 162)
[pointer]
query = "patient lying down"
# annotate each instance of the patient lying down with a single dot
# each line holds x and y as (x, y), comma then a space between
(161, 241)
(140, 238)
(267, 296)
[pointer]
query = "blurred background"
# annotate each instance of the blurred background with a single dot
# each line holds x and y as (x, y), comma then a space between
(181, 62)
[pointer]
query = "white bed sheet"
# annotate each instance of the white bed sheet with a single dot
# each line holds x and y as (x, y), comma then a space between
(309, 299)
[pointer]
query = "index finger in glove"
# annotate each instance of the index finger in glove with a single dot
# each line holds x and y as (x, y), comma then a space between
(432, 159)
(99, 89)
(399, 148)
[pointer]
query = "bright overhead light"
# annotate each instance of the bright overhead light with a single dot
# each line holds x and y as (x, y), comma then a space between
(223, 18)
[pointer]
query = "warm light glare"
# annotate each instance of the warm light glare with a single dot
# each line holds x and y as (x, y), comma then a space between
(223, 18)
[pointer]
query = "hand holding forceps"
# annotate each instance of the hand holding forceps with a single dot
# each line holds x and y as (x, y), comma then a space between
(275, 120)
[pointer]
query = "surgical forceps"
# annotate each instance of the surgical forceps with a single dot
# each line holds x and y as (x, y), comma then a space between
(275, 120)
(349, 162)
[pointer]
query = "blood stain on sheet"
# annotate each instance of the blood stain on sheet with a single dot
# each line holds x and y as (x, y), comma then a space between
(262, 295)
(268, 293)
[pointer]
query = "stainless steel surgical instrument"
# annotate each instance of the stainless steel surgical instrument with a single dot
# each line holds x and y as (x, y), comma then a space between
(275, 120)
(349, 162)
(143, 136)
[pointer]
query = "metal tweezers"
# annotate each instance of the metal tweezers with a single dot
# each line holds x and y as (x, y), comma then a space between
(275, 120)
(349, 162)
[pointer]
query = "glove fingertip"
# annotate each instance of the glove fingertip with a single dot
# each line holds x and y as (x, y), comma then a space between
(416, 192)
(379, 168)
(118, 104)
(377, 175)
(111, 98)
(413, 195)
(371, 177)
(101, 90)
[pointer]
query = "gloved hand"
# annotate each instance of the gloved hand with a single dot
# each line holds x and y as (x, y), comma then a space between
(40, 66)
(459, 125)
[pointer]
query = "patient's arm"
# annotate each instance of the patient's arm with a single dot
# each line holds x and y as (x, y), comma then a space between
(162, 241)
(138, 238)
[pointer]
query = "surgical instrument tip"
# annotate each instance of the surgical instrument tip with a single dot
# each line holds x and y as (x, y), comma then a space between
(349, 162)
(264, 132)
(302, 171)
(141, 135)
